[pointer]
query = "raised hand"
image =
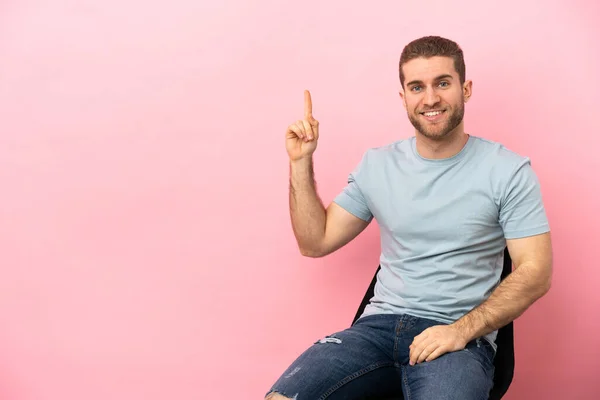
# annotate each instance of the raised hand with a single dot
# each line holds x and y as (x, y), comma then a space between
(301, 137)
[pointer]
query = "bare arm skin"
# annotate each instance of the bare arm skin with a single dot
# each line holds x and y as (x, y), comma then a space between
(529, 281)
(318, 231)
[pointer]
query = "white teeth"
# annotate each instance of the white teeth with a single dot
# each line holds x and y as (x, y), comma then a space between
(432, 114)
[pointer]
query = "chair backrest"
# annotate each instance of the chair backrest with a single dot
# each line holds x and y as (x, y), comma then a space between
(504, 363)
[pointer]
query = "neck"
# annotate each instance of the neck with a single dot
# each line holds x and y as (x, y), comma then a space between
(445, 147)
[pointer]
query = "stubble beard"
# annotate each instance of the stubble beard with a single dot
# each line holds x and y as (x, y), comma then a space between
(434, 131)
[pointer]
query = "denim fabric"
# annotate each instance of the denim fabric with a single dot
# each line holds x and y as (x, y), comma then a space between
(370, 361)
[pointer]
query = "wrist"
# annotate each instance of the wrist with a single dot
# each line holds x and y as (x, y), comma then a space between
(465, 329)
(301, 162)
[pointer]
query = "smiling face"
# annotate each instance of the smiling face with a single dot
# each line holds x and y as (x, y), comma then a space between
(433, 96)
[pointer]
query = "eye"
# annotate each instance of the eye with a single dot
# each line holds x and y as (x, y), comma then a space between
(415, 88)
(444, 84)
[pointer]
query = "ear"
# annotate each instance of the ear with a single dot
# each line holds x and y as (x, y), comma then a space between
(401, 93)
(467, 90)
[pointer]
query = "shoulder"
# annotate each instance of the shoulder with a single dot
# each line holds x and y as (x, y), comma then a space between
(500, 159)
(392, 151)
(374, 160)
(509, 172)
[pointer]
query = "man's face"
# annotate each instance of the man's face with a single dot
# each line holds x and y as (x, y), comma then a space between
(433, 96)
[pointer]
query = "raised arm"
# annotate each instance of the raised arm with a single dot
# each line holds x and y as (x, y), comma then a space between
(318, 231)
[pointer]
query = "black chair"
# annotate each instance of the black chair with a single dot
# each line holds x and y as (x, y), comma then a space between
(504, 361)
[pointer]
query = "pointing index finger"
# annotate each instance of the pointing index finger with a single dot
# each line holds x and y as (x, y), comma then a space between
(307, 105)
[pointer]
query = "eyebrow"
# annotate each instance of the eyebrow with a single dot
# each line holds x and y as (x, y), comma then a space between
(439, 78)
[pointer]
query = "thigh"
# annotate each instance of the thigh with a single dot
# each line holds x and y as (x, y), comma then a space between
(462, 375)
(355, 363)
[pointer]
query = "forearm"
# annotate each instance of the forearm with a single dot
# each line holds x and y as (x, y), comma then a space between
(511, 298)
(306, 209)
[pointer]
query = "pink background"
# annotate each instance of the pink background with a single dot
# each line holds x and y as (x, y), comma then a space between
(146, 249)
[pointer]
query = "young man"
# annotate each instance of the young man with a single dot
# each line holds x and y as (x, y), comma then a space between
(447, 204)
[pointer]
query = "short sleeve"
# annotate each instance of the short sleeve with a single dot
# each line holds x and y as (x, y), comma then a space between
(351, 198)
(522, 211)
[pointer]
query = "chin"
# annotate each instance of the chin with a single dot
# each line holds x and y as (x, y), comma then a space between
(440, 130)
(440, 133)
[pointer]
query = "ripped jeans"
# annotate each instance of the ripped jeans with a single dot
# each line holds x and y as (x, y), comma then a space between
(370, 360)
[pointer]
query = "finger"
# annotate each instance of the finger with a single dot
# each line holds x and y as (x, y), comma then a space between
(415, 352)
(426, 352)
(295, 130)
(308, 130)
(417, 340)
(440, 351)
(315, 127)
(307, 105)
(300, 125)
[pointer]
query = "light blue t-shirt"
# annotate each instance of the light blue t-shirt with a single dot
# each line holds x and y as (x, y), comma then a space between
(443, 223)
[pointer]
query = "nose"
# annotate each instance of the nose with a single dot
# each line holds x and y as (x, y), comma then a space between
(431, 97)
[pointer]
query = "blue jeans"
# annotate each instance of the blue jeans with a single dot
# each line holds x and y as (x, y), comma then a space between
(370, 361)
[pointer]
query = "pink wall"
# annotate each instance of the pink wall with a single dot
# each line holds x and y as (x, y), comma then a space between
(146, 249)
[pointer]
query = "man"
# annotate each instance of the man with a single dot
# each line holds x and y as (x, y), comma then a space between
(447, 204)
